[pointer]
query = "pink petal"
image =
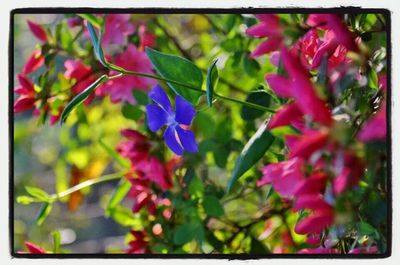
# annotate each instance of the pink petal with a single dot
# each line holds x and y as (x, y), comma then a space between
(38, 31)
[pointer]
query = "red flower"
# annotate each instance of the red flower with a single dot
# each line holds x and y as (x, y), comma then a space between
(26, 90)
(136, 148)
(268, 27)
(139, 244)
(35, 61)
(320, 217)
(33, 249)
(38, 31)
(147, 39)
(309, 143)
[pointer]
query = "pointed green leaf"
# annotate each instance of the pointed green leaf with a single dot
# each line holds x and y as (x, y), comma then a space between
(56, 241)
(211, 83)
(81, 97)
(251, 153)
(96, 41)
(184, 233)
(178, 69)
(93, 19)
(118, 195)
(37, 193)
(44, 212)
(25, 200)
(114, 155)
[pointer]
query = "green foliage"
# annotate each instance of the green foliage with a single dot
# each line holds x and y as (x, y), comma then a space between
(212, 79)
(118, 195)
(212, 206)
(81, 97)
(179, 69)
(261, 98)
(251, 153)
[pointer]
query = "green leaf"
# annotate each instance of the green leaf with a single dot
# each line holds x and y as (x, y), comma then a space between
(125, 217)
(257, 247)
(111, 152)
(261, 98)
(212, 206)
(96, 41)
(211, 83)
(251, 153)
(94, 20)
(44, 212)
(56, 241)
(132, 112)
(196, 187)
(25, 200)
(81, 97)
(118, 195)
(38, 193)
(214, 241)
(141, 97)
(178, 69)
(184, 234)
(373, 79)
(251, 66)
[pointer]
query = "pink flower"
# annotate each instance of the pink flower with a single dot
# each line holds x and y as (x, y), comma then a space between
(120, 89)
(142, 195)
(136, 148)
(268, 27)
(364, 250)
(280, 85)
(155, 171)
(306, 47)
(286, 177)
(117, 27)
(318, 250)
(287, 115)
(375, 128)
(303, 91)
(38, 31)
(35, 61)
(76, 69)
(350, 170)
(337, 34)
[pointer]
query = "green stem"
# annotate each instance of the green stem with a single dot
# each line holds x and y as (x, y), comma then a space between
(86, 184)
(245, 103)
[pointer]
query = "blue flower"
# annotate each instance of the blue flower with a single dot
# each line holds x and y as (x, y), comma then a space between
(177, 138)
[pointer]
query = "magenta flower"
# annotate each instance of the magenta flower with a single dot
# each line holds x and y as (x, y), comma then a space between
(375, 128)
(27, 93)
(120, 89)
(38, 31)
(176, 137)
(117, 27)
(286, 177)
(268, 27)
(34, 61)
(320, 217)
(289, 114)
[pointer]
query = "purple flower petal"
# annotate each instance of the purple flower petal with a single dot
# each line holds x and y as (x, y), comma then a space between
(187, 139)
(171, 141)
(159, 96)
(184, 111)
(156, 117)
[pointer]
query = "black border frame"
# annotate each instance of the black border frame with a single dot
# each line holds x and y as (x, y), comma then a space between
(245, 10)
